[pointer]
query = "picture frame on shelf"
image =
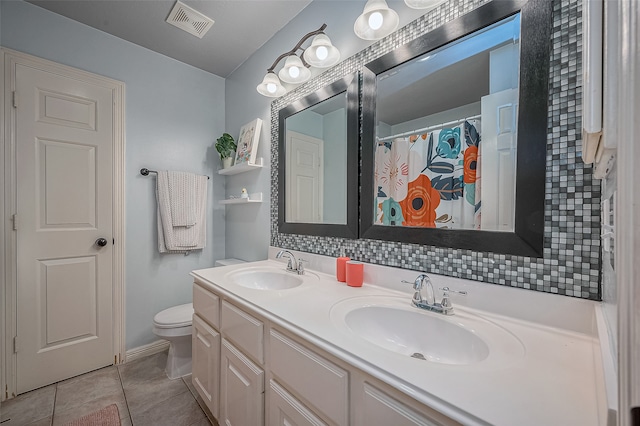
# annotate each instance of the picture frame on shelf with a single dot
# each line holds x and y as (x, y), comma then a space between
(248, 142)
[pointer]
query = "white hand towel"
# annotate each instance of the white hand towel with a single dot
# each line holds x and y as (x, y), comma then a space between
(180, 239)
(182, 198)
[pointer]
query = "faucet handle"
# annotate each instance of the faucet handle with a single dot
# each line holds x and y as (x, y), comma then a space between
(417, 285)
(446, 303)
(446, 290)
(301, 263)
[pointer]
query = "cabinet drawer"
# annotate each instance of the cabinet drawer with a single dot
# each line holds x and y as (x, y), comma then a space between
(207, 305)
(285, 410)
(245, 331)
(316, 379)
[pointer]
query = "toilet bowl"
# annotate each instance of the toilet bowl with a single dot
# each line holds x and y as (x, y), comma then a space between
(174, 324)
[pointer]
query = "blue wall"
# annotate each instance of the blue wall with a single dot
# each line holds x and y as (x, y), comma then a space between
(174, 113)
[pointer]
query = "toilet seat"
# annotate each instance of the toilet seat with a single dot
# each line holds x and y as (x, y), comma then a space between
(174, 317)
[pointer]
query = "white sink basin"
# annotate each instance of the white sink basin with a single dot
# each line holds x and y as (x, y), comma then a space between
(266, 278)
(394, 324)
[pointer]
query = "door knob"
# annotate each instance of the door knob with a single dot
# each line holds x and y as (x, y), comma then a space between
(101, 242)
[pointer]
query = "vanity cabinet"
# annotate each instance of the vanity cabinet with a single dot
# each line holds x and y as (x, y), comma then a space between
(259, 372)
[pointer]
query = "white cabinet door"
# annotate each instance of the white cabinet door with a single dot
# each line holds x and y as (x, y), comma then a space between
(311, 376)
(286, 410)
(373, 406)
(206, 363)
(241, 390)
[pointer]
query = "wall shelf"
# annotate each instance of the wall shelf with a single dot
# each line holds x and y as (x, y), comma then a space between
(241, 168)
(253, 198)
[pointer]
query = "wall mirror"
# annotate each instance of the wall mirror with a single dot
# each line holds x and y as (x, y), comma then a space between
(455, 131)
(318, 154)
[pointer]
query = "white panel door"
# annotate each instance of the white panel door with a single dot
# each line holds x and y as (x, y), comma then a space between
(304, 175)
(64, 143)
(497, 160)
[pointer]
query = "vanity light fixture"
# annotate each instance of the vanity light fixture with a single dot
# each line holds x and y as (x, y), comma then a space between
(320, 54)
(294, 71)
(376, 21)
(271, 86)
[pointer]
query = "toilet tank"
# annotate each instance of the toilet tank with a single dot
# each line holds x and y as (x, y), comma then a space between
(227, 262)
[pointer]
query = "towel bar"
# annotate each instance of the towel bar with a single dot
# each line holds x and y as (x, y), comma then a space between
(145, 172)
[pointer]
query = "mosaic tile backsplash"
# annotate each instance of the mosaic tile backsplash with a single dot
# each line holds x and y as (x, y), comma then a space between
(571, 262)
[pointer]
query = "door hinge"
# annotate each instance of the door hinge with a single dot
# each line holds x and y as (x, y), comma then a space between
(14, 99)
(15, 344)
(14, 219)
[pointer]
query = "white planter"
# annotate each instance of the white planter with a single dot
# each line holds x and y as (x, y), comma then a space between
(227, 162)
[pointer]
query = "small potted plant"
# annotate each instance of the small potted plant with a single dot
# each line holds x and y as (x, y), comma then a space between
(226, 146)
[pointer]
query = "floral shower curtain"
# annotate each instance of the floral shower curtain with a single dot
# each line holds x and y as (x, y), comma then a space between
(430, 179)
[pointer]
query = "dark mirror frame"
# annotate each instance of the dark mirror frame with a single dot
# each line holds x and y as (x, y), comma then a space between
(350, 85)
(528, 237)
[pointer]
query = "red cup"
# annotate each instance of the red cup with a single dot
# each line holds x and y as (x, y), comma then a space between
(341, 268)
(354, 273)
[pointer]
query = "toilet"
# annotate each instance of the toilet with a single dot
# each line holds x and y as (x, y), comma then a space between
(174, 324)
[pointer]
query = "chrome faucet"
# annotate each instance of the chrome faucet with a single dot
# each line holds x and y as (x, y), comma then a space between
(292, 265)
(428, 302)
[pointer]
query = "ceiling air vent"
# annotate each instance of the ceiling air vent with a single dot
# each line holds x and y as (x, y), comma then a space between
(189, 20)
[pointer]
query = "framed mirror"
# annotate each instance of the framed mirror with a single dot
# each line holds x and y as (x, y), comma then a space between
(454, 133)
(318, 166)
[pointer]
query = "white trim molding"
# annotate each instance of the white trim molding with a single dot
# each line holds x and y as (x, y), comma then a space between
(146, 350)
(627, 241)
(8, 282)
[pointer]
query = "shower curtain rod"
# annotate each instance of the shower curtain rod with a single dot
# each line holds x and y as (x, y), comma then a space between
(436, 126)
(145, 172)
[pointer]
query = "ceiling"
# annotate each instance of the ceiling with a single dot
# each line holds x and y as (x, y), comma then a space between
(241, 26)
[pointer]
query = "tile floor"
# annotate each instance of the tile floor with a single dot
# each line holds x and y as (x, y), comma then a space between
(141, 390)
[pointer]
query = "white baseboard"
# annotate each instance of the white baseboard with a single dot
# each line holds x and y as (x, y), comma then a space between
(146, 350)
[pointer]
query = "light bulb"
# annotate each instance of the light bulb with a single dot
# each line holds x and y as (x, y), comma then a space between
(294, 72)
(271, 88)
(322, 53)
(375, 20)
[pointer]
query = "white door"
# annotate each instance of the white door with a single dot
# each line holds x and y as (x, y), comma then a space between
(64, 142)
(304, 178)
(497, 160)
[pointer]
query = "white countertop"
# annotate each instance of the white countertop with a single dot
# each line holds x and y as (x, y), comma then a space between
(555, 381)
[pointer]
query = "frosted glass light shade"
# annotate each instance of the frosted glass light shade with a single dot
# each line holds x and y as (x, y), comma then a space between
(271, 86)
(422, 4)
(376, 21)
(321, 53)
(294, 71)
